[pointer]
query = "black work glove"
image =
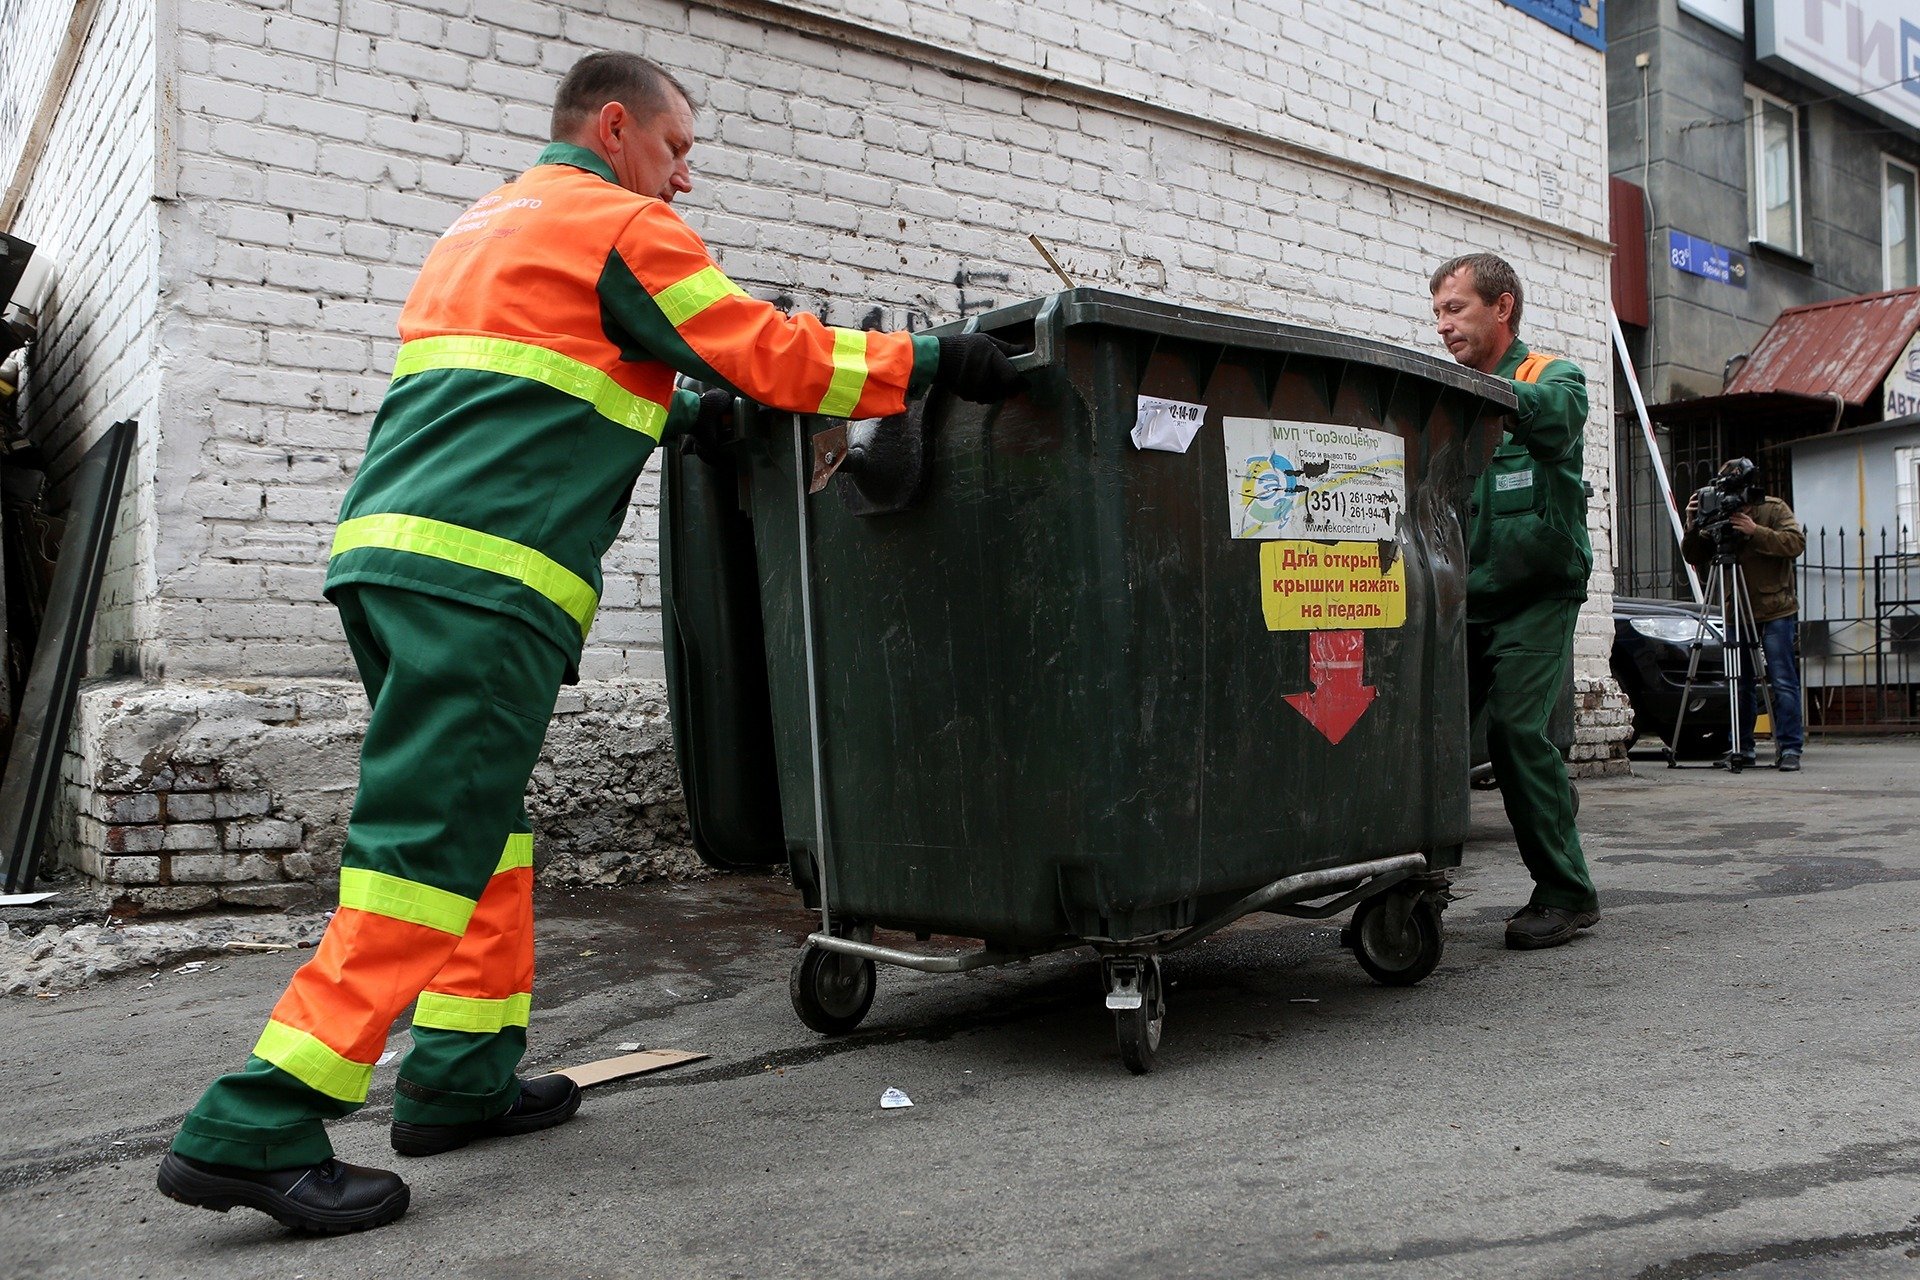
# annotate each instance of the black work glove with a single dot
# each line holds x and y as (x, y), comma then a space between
(712, 425)
(976, 367)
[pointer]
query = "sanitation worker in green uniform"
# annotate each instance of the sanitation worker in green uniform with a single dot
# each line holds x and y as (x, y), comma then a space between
(535, 377)
(1528, 561)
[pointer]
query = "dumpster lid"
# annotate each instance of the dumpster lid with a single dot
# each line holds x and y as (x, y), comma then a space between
(1077, 307)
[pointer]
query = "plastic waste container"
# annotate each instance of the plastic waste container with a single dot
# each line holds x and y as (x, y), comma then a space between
(716, 664)
(1031, 683)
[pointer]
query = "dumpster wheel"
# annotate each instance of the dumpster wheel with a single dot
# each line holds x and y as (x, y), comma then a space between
(1135, 993)
(831, 992)
(1397, 938)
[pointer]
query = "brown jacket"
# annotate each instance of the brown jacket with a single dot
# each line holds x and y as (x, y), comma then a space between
(1766, 557)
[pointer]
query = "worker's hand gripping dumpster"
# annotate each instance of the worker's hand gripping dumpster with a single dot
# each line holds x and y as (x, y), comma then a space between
(1172, 635)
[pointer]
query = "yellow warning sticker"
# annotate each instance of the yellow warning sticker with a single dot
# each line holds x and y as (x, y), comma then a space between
(1332, 586)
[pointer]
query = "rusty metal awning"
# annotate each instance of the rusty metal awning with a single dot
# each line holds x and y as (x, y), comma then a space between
(1755, 413)
(1812, 367)
(1844, 348)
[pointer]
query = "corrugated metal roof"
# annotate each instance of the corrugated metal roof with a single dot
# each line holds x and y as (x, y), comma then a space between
(1843, 347)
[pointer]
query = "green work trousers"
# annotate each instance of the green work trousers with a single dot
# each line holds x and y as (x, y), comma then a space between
(1515, 669)
(435, 892)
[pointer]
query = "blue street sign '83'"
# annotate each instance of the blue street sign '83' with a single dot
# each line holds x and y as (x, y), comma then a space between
(1706, 259)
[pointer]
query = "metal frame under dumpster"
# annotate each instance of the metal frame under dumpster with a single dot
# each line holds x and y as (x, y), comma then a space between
(1030, 683)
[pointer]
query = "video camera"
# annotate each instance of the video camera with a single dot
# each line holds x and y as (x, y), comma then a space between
(1734, 488)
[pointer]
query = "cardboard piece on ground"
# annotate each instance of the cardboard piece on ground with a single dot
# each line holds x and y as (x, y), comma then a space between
(25, 899)
(588, 1074)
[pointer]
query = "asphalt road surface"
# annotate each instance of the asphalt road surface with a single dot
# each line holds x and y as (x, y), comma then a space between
(1719, 1080)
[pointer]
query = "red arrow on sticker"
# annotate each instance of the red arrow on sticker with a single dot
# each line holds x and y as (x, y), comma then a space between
(1338, 699)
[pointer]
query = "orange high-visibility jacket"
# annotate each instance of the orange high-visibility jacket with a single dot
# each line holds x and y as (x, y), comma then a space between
(536, 374)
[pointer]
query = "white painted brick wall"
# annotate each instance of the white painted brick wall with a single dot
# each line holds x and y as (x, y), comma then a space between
(321, 149)
(90, 207)
(33, 30)
(1379, 85)
(1307, 161)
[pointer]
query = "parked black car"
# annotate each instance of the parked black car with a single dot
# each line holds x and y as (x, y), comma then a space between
(1652, 644)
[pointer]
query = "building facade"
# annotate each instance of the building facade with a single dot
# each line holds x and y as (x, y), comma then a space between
(241, 192)
(1774, 145)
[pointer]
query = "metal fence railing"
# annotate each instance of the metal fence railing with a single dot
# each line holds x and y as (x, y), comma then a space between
(1860, 629)
(1646, 559)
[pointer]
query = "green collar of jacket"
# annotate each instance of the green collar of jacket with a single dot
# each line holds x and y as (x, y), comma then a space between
(578, 157)
(1511, 361)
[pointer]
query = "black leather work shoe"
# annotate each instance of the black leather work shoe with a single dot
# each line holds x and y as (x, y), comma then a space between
(1789, 762)
(544, 1102)
(330, 1198)
(1532, 928)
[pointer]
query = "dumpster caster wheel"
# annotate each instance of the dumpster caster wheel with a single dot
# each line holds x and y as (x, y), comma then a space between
(1397, 938)
(1134, 994)
(831, 992)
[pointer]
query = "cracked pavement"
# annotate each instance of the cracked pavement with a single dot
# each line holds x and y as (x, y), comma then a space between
(1716, 1081)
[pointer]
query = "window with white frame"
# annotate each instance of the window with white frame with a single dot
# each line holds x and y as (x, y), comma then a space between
(1773, 170)
(1906, 496)
(1900, 222)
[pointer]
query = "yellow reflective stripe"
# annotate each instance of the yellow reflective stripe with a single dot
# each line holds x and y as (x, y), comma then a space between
(683, 301)
(313, 1064)
(849, 373)
(407, 900)
(518, 853)
(536, 364)
(476, 550)
(471, 1013)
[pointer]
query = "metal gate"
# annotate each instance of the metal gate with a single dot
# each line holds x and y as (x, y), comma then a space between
(1860, 629)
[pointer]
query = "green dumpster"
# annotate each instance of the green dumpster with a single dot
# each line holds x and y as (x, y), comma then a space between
(716, 664)
(1032, 683)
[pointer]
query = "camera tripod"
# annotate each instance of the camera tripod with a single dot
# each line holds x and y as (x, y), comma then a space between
(1741, 652)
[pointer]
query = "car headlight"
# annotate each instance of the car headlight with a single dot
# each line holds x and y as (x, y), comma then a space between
(1674, 630)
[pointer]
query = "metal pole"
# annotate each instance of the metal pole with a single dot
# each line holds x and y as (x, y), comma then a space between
(1733, 654)
(1653, 452)
(1743, 655)
(1716, 594)
(800, 477)
(1762, 669)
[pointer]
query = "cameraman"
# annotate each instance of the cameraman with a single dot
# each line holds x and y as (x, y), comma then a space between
(1769, 539)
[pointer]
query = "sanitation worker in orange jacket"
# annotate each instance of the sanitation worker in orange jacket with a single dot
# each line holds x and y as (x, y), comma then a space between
(536, 375)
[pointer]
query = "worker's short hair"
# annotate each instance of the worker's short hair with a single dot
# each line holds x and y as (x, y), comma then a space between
(642, 87)
(1492, 276)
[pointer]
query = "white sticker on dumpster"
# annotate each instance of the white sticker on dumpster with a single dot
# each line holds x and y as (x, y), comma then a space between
(1313, 480)
(1167, 425)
